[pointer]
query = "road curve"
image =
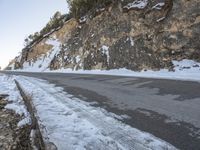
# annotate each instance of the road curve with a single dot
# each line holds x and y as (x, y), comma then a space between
(168, 109)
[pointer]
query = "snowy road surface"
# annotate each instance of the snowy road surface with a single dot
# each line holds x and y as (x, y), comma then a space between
(168, 109)
(71, 123)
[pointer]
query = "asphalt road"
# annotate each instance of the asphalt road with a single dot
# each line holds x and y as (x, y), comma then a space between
(168, 109)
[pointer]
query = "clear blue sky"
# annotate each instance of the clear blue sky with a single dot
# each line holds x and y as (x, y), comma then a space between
(19, 18)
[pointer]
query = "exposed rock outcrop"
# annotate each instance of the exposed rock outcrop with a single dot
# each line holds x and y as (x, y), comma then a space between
(133, 34)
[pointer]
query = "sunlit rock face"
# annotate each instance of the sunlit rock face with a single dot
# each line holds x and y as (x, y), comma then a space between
(137, 35)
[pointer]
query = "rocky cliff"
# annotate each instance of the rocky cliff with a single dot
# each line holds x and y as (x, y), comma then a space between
(132, 34)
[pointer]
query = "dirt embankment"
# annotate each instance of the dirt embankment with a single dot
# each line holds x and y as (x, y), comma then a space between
(12, 137)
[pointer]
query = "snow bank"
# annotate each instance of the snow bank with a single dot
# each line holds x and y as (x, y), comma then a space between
(188, 70)
(71, 123)
(7, 86)
(184, 70)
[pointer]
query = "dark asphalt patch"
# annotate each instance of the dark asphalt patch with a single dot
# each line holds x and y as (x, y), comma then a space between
(180, 134)
(165, 88)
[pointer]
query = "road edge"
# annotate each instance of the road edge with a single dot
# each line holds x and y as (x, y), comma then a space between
(38, 140)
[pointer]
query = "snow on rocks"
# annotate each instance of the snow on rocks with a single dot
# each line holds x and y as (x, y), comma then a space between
(71, 123)
(138, 4)
(105, 50)
(78, 59)
(83, 19)
(158, 6)
(43, 62)
(160, 19)
(132, 41)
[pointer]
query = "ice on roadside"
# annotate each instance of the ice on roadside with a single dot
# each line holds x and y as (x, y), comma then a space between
(7, 86)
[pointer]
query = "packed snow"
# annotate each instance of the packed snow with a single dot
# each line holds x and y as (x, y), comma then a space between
(7, 86)
(71, 123)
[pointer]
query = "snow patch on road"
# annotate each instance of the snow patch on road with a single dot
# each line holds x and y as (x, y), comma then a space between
(71, 123)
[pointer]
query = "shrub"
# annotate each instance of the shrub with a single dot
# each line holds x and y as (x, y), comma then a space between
(79, 8)
(55, 22)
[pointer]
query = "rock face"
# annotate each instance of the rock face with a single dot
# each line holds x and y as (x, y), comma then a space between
(137, 35)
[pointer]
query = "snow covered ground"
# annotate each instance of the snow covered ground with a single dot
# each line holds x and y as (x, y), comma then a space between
(184, 70)
(71, 123)
(7, 86)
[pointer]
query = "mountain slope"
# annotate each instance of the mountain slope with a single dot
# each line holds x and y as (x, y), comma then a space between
(136, 35)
